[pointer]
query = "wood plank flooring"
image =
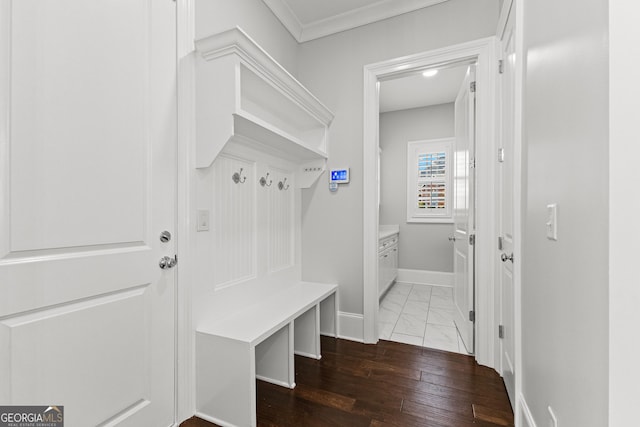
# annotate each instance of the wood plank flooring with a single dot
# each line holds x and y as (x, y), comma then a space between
(388, 384)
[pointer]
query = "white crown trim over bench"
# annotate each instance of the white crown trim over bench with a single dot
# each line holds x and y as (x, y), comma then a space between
(244, 95)
(259, 341)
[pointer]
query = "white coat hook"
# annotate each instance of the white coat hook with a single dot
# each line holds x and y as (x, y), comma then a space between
(238, 178)
(263, 181)
(281, 185)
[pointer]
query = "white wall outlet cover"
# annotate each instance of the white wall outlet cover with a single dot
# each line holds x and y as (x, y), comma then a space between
(203, 220)
(552, 221)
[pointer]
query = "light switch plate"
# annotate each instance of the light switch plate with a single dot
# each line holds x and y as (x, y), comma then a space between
(203, 220)
(552, 222)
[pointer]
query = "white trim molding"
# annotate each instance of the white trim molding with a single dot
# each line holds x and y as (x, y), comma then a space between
(484, 52)
(373, 12)
(184, 352)
(526, 418)
(350, 326)
(425, 277)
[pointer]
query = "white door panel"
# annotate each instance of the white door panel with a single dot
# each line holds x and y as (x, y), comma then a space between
(464, 209)
(71, 334)
(88, 182)
(79, 100)
(506, 202)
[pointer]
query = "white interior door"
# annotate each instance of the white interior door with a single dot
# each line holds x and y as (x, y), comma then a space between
(506, 202)
(87, 184)
(464, 209)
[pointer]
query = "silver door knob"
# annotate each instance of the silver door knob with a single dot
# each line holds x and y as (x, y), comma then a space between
(452, 238)
(504, 257)
(168, 262)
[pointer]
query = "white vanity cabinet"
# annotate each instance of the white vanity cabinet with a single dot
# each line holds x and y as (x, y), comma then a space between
(387, 261)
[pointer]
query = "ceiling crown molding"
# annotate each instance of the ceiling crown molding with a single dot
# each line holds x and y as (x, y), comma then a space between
(354, 18)
(283, 12)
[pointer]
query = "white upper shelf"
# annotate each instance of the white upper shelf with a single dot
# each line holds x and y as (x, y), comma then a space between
(243, 94)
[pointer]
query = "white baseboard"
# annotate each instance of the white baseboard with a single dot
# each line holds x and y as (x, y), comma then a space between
(351, 326)
(526, 416)
(425, 277)
(213, 420)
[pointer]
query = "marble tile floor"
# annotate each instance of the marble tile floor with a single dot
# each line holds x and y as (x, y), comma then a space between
(420, 315)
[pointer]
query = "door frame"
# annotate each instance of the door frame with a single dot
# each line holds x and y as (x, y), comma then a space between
(521, 411)
(185, 406)
(484, 52)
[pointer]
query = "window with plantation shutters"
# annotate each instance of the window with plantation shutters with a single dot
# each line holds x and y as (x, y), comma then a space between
(429, 180)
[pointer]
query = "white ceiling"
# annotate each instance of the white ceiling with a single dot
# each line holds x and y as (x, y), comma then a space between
(415, 91)
(311, 19)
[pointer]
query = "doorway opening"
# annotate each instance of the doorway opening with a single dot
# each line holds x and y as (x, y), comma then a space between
(426, 194)
(482, 53)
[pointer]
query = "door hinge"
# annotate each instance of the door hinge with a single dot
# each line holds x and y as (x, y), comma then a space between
(472, 316)
(472, 86)
(500, 243)
(500, 66)
(501, 331)
(472, 239)
(501, 155)
(472, 163)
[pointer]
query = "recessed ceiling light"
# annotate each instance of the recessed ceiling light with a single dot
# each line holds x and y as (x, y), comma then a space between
(430, 73)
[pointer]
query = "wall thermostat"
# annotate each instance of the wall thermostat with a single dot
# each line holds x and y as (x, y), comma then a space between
(339, 176)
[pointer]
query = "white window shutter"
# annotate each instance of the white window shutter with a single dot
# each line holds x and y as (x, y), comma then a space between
(429, 187)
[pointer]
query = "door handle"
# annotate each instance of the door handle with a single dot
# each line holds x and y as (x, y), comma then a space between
(167, 262)
(504, 257)
(452, 238)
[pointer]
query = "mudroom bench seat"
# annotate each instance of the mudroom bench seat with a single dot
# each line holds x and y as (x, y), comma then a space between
(258, 340)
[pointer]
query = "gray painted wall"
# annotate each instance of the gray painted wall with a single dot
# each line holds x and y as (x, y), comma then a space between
(422, 246)
(565, 283)
(332, 68)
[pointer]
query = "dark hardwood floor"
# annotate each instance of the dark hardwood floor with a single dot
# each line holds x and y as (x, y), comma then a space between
(388, 384)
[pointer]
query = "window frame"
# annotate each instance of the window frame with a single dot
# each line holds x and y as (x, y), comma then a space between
(428, 146)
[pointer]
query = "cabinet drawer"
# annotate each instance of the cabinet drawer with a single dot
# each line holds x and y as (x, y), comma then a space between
(387, 242)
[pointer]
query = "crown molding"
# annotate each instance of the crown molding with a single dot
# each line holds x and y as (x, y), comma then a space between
(243, 94)
(236, 41)
(283, 12)
(374, 12)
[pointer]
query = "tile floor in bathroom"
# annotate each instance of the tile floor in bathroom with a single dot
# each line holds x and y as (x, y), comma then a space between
(420, 315)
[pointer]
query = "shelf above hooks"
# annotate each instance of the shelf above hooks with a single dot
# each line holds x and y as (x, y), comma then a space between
(244, 96)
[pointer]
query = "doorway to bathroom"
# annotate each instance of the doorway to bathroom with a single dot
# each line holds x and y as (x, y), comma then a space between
(426, 176)
(473, 305)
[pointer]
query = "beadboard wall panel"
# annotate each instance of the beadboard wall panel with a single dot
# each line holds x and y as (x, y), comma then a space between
(234, 220)
(281, 224)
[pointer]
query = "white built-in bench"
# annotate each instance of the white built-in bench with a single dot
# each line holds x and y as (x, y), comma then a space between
(254, 118)
(258, 340)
